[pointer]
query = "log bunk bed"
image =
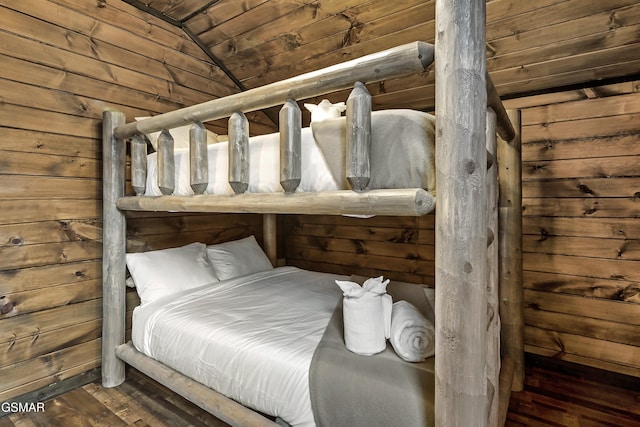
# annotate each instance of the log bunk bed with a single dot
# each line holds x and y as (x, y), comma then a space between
(479, 356)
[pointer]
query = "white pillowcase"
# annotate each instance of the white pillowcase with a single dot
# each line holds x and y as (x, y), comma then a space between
(164, 272)
(238, 258)
(180, 136)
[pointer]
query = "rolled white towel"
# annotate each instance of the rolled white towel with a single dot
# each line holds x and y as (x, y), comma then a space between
(412, 335)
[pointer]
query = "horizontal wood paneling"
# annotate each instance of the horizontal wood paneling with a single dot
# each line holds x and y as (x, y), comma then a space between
(63, 63)
(580, 225)
(399, 248)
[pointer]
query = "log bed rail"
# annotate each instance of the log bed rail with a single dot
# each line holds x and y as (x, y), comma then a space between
(467, 387)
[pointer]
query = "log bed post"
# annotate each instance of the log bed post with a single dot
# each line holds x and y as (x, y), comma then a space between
(461, 226)
(493, 302)
(114, 247)
(270, 237)
(510, 241)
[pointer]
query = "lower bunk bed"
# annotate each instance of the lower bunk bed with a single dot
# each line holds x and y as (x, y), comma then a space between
(271, 339)
(308, 329)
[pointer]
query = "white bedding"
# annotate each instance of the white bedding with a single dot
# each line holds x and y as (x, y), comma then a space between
(402, 156)
(264, 168)
(251, 338)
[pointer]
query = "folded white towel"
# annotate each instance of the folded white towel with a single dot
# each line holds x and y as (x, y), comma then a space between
(412, 335)
(366, 315)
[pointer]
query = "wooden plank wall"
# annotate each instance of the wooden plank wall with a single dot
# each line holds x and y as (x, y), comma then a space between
(581, 190)
(581, 242)
(400, 248)
(63, 62)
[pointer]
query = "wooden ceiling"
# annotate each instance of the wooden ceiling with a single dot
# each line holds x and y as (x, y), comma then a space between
(532, 46)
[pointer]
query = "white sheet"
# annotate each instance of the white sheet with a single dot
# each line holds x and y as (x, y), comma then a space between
(264, 168)
(251, 338)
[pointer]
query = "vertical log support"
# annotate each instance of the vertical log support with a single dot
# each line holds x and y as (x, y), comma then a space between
(198, 158)
(238, 152)
(358, 137)
(290, 146)
(510, 240)
(493, 303)
(138, 165)
(166, 163)
(114, 247)
(269, 234)
(461, 226)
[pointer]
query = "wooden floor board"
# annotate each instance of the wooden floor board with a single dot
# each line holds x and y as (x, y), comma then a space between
(556, 394)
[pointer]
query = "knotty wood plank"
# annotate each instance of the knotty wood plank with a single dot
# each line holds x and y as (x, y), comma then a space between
(583, 148)
(133, 21)
(621, 228)
(605, 350)
(615, 311)
(42, 75)
(48, 121)
(19, 327)
(18, 303)
(413, 266)
(49, 232)
(584, 326)
(591, 207)
(547, 15)
(608, 106)
(543, 35)
(357, 247)
(583, 247)
(582, 187)
(49, 253)
(367, 271)
(599, 64)
(556, 48)
(631, 371)
(191, 223)
(582, 266)
(25, 279)
(43, 164)
(42, 343)
(172, 239)
(105, 43)
(581, 168)
(30, 210)
(39, 372)
(577, 285)
(48, 143)
(365, 233)
(15, 187)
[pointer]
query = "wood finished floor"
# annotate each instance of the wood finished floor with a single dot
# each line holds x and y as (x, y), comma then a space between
(559, 395)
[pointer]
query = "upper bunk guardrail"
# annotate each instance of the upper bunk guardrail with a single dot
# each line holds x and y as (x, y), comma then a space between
(396, 62)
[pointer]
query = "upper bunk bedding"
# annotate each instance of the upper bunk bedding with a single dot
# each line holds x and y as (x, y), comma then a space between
(402, 156)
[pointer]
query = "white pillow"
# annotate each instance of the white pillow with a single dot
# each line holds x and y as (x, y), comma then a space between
(164, 272)
(180, 136)
(237, 258)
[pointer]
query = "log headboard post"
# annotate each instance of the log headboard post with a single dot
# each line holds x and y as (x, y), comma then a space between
(510, 241)
(461, 219)
(114, 249)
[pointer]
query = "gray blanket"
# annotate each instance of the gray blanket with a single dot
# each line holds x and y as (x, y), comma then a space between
(380, 390)
(402, 149)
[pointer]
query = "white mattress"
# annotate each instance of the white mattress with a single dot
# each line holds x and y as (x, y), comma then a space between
(264, 168)
(251, 338)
